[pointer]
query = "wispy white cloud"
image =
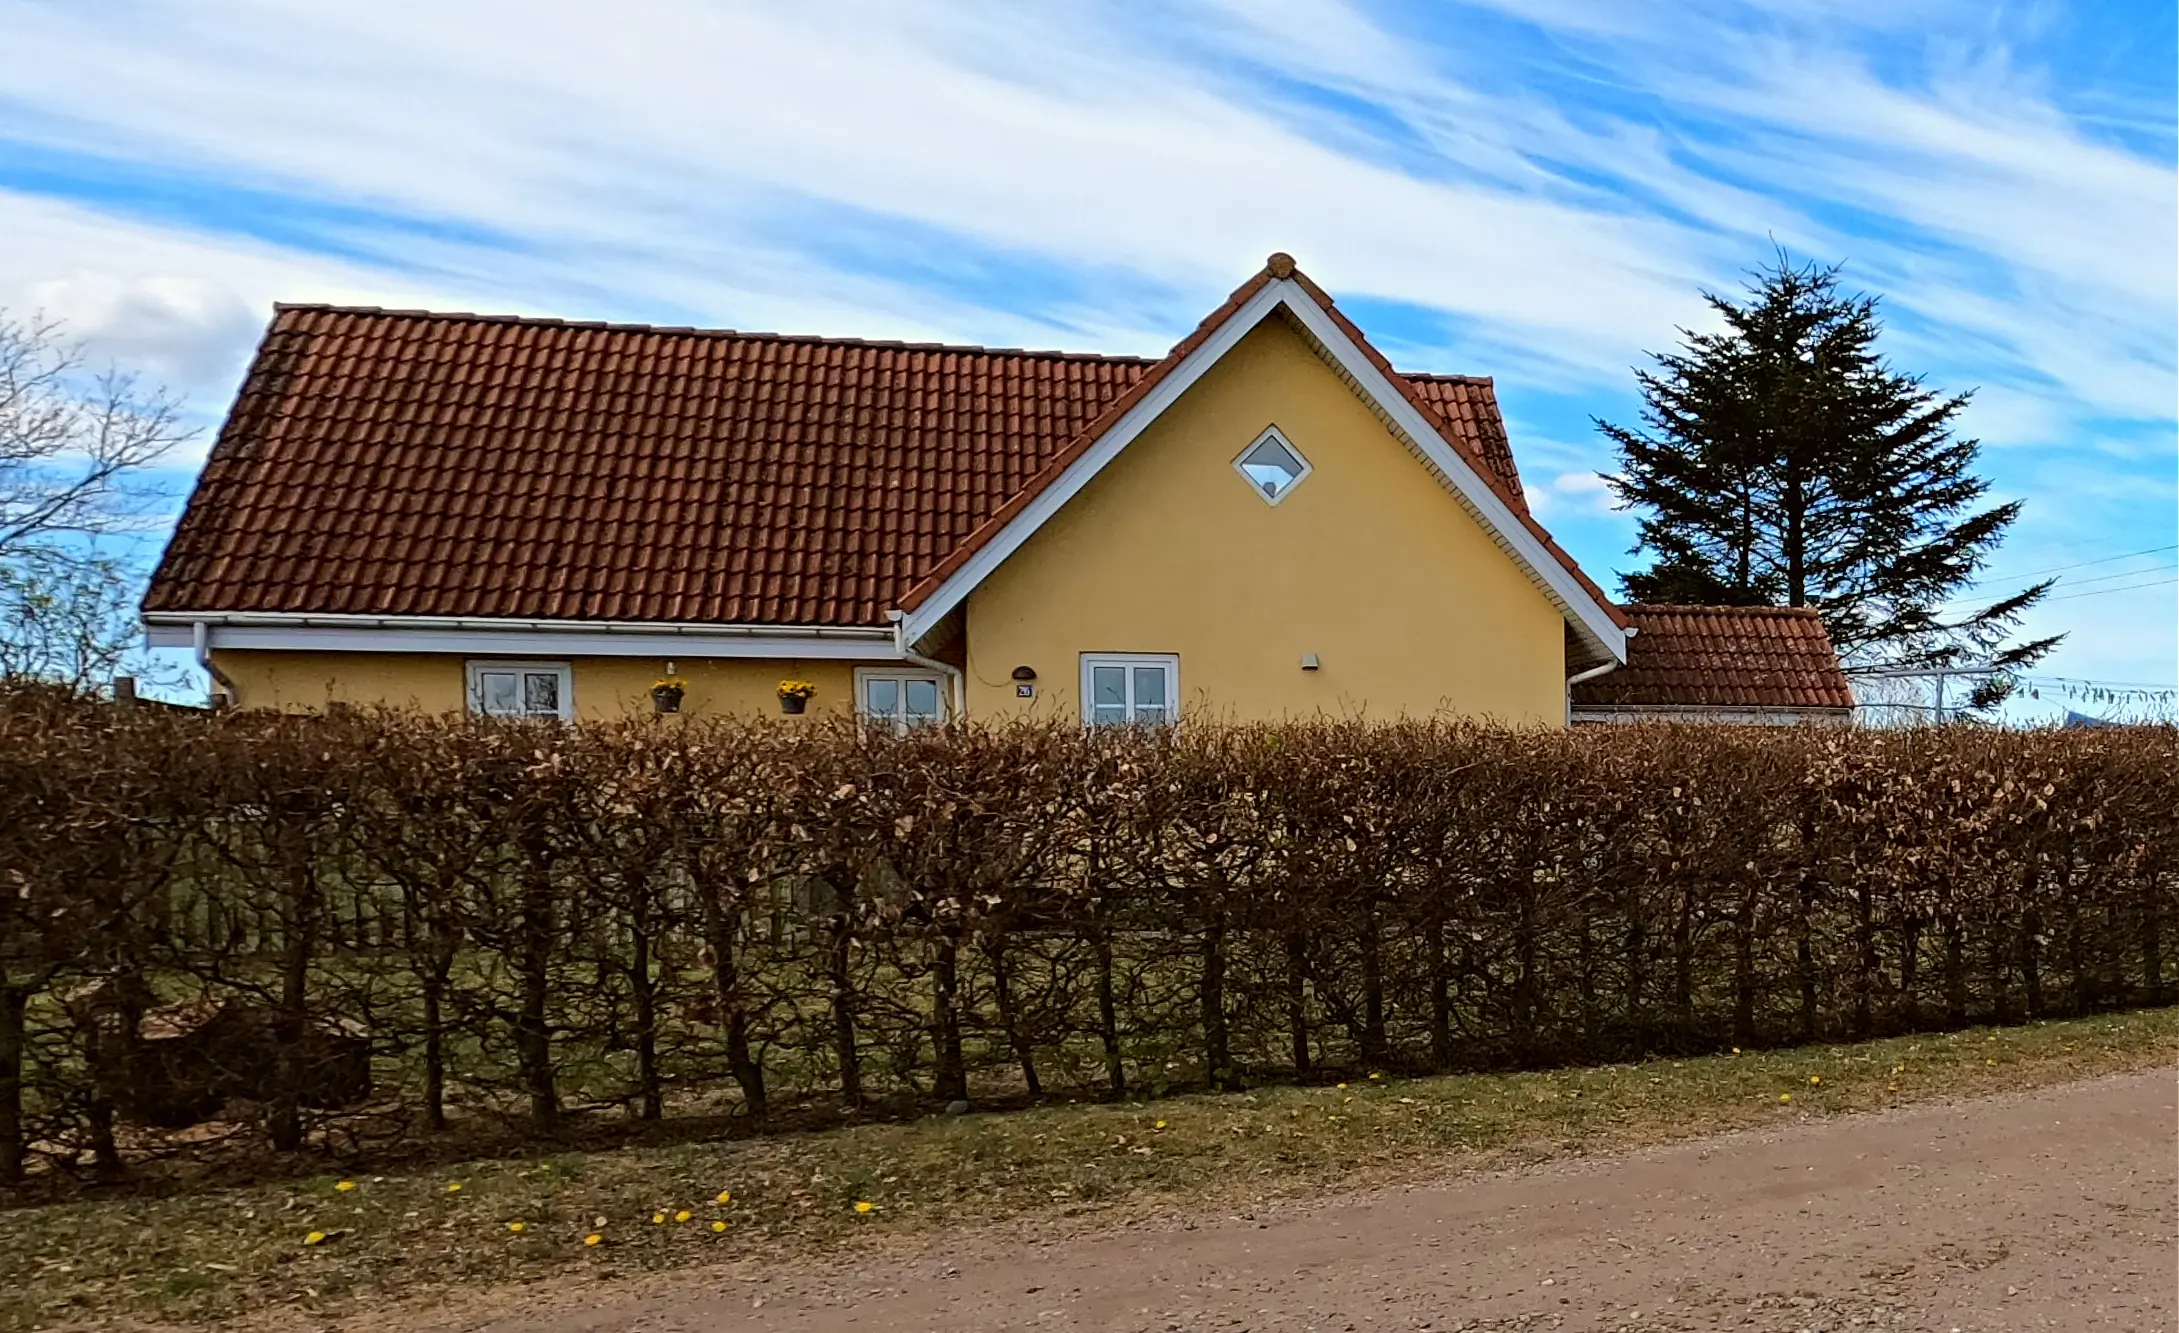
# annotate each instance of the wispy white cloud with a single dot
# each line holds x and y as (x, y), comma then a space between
(1541, 184)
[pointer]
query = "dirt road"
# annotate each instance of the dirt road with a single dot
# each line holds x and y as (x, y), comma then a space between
(2052, 1210)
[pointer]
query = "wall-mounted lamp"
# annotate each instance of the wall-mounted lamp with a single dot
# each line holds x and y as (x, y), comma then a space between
(1025, 682)
(1309, 662)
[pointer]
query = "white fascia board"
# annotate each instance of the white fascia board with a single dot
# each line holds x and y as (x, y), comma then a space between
(1745, 717)
(419, 634)
(1474, 493)
(1054, 497)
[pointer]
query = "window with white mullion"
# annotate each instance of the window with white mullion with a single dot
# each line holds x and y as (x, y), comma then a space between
(903, 698)
(1122, 688)
(521, 689)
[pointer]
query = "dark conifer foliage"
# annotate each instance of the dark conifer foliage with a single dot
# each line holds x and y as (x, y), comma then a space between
(1783, 462)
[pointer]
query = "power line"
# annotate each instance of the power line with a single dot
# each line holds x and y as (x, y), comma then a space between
(2060, 569)
(2122, 574)
(2041, 679)
(2106, 592)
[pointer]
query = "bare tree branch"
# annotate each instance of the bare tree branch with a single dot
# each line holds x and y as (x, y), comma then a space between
(74, 445)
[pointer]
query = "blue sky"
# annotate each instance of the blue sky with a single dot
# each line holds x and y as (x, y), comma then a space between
(1531, 189)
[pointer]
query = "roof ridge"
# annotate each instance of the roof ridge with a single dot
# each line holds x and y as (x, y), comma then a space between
(1437, 377)
(690, 330)
(1692, 608)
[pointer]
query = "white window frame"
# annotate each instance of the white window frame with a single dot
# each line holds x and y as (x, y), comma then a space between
(1170, 662)
(864, 674)
(473, 686)
(1274, 433)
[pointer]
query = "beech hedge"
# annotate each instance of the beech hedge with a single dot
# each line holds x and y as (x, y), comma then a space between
(333, 937)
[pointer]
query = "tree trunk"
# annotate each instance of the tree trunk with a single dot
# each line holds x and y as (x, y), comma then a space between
(13, 1000)
(1108, 1014)
(722, 919)
(1955, 972)
(1002, 985)
(2152, 951)
(1376, 1049)
(1804, 957)
(950, 1083)
(1744, 969)
(1441, 998)
(643, 994)
(299, 921)
(533, 1030)
(1866, 968)
(1217, 1058)
(1297, 1000)
(838, 962)
(441, 963)
(1910, 965)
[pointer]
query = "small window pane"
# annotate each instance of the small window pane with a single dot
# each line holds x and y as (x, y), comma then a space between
(1149, 694)
(1109, 686)
(501, 691)
(541, 692)
(882, 697)
(922, 700)
(1273, 467)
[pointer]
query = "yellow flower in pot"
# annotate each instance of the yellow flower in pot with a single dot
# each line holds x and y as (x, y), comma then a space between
(794, 695)
(666, 693)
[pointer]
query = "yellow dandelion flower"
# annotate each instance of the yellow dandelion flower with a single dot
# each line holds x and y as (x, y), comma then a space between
(453, 1187)
(683, 1216)
(593, 1239)
(1374, 1077)
(1342, 1087)
(345, 1186)
(1785, 1096)
(1989, 1062)
(724, 1197)
(657, 1218)
(1159, 1125)
(517, 1228)
(864, 1206)
(314, 1238)
(1814, 1080)
(718, 1226)
(1736, 1050)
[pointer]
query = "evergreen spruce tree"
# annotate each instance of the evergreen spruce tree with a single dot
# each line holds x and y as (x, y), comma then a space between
(1782, 462)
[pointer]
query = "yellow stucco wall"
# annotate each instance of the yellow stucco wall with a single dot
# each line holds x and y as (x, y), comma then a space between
(604, 687)
(1369, 563)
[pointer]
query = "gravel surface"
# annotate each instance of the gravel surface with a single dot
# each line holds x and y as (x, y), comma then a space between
(2049, 1210)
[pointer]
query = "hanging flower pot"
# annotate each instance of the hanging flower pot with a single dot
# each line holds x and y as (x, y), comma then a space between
(794, 696)
(666, 694)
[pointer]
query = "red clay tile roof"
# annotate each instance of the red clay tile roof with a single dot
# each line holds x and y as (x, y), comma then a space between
(1469, 404)
(406, 463)
(1723, 657)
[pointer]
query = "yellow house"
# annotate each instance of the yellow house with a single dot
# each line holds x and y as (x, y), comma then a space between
(523, 516)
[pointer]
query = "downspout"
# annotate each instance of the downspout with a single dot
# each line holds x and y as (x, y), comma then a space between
(200, 639)
(1591, 674)
(956, 685)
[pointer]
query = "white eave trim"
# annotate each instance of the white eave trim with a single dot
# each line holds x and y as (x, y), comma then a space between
(1734, 715)
(1574, 602)
(274, 631)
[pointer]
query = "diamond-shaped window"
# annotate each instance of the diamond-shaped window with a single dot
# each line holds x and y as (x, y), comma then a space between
(1272, 466)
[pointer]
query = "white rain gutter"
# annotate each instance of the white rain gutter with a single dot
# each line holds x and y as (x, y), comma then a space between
(295, 620)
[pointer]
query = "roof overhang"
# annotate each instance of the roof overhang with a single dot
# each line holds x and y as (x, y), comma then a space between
(278, 632)
(1592, 621)
(1729, 715)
